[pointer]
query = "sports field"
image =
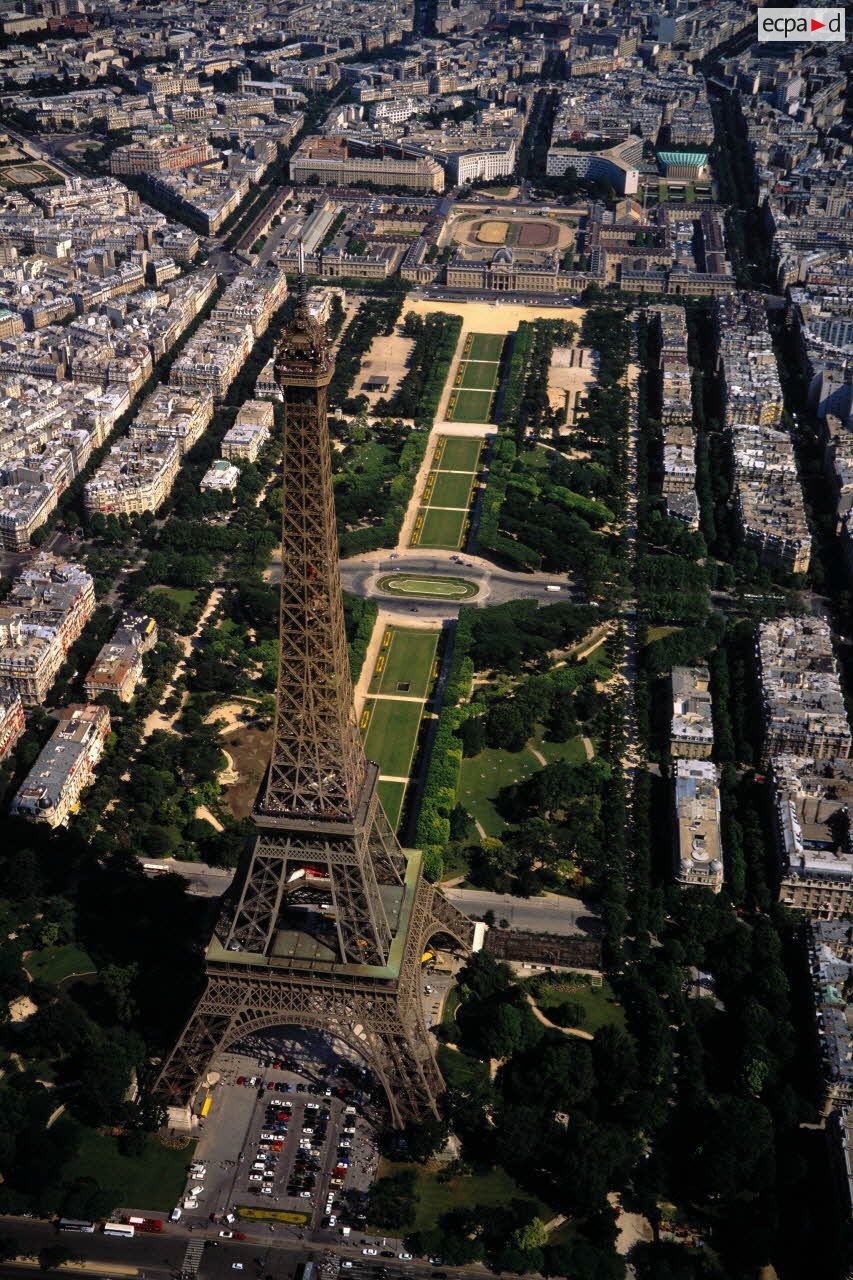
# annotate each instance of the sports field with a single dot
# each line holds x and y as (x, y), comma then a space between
(475, 380)
(442, 518)
(417, 584)
(390, 722)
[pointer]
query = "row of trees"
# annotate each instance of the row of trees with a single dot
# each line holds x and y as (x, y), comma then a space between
(417, 397)
(526, 409)
(374, 480)
(377, 316)
(545, 511)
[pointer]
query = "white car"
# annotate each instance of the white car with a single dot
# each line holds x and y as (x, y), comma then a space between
(346, 1263)
(226, 1235)
(404, 1257)
(370, 1253)
(236, 1266)
(305, 1195)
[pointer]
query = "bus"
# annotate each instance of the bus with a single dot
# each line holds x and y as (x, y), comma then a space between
(206, 1105)
(119, 1229)
(75, 1224)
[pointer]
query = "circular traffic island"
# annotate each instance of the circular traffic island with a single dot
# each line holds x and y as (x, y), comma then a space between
(428, 587)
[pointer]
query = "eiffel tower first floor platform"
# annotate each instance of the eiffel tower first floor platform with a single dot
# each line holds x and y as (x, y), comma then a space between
(374, 1009)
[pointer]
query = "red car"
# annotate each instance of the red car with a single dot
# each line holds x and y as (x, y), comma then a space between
(241, 1079)
(271, 1084)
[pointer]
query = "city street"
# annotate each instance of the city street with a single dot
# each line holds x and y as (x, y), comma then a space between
(147, 1257)
(360, 574)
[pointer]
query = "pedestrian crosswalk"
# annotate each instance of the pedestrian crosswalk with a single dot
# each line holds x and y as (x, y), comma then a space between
(192, 1258)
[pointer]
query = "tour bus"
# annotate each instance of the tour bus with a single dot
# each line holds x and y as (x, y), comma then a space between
(119, 1229)
(74, 1224)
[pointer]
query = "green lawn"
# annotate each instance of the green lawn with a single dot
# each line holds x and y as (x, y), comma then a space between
(573, 750)
(184, 596)
(479, 373)
(660, 633)
(600, 1006)
(538, 458)
(451, 489)
(417, 584)
(448, 1013)
(471, 406)
(408, 660)
(54, 964)
(441, 529)
(434, 1198)
(459, 453)
(484, 775)
(486, 346)
(152, 1181)
(482, 778)
(391, 795)
(392, 733)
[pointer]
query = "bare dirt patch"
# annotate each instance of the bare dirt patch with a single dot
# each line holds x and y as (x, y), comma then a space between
(537, 235)
(492, 232)
(249, 748)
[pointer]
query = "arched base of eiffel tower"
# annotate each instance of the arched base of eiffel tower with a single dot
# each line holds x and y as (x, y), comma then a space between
(382, 1021)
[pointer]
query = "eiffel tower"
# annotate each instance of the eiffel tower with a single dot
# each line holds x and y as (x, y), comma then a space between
(353, 970)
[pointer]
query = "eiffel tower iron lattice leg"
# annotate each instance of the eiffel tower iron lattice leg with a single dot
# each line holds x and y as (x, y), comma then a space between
(332, 917)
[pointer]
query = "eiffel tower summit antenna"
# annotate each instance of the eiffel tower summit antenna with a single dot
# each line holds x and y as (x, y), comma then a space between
(353, 971)
(303, 292)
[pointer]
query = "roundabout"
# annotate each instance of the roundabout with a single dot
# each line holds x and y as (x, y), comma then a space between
(427, 586)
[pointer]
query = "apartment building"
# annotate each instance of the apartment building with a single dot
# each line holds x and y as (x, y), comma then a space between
(253, 298)
(831, 965)
(212, 358)
(12, 723)
(692, 729)
(813, 801)
(768, 500)
(51, 790)
(25, 507)
(118, 666)
(44, 613)
(174, 415)
(136, 475)
(250, 432)
(698, 851)
(803, 706)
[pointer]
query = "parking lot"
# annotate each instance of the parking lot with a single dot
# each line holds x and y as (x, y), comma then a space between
(287, 1137)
